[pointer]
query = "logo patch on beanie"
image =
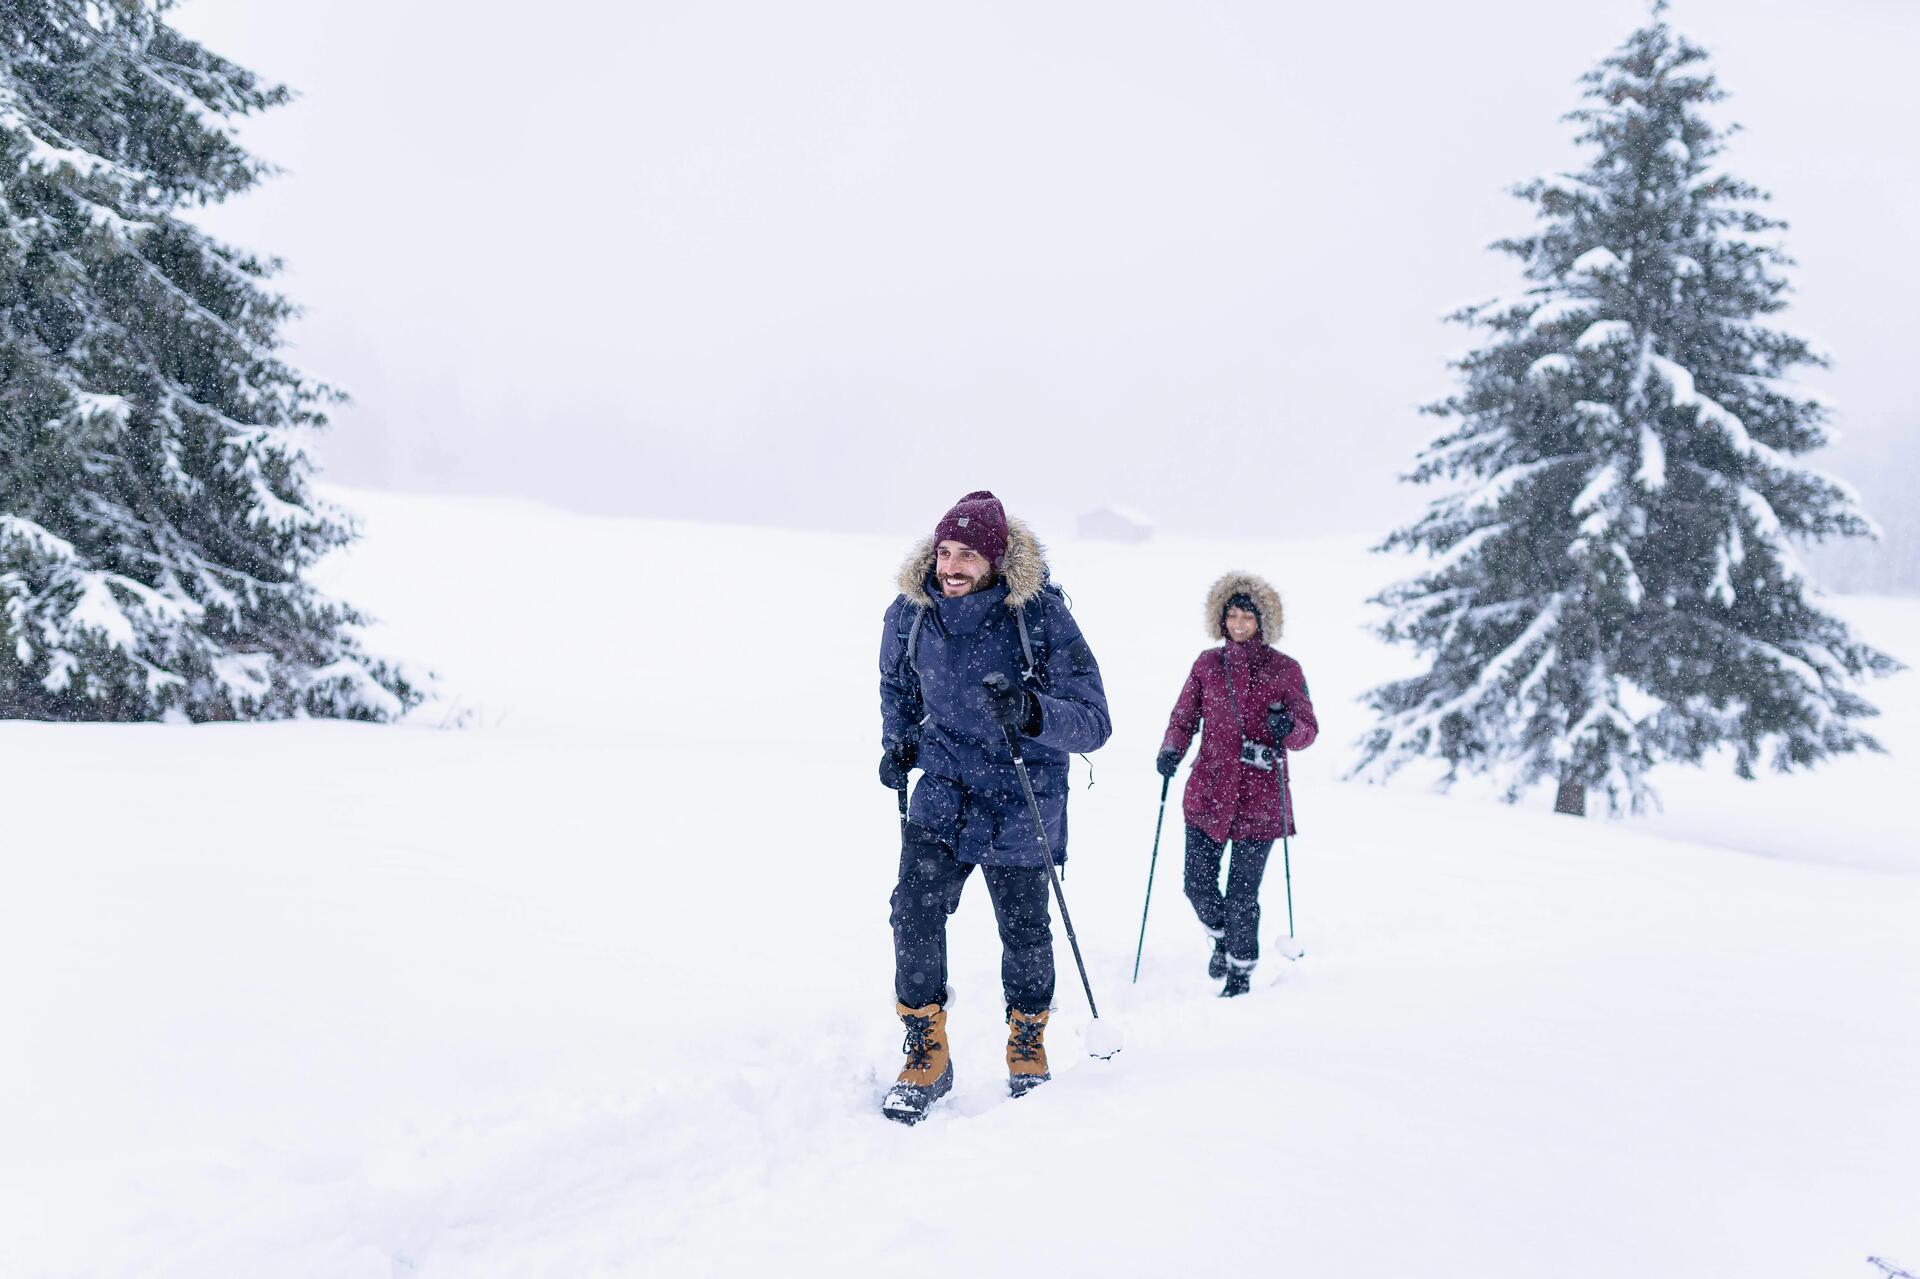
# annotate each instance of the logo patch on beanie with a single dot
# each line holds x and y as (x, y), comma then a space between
(964, 521)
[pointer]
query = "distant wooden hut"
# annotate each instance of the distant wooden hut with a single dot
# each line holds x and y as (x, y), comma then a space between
(1115, 524)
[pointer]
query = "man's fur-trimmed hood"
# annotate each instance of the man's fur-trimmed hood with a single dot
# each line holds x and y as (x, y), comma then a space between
(1264, 597)
(1023, 567)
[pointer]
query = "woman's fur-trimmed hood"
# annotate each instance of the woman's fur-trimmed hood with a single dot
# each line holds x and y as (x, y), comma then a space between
(1264, 597)
(1023, 567)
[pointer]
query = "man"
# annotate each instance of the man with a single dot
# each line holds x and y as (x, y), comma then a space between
(975, 601)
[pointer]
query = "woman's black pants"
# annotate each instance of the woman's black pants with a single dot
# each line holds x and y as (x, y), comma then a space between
(1236, 916)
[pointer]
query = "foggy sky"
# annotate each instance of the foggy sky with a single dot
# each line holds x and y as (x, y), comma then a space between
(834, 264)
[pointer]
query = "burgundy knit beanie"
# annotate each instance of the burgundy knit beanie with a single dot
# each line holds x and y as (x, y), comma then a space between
(977, 520)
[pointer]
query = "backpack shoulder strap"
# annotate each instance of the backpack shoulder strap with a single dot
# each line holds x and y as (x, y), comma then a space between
(912, 634)
(1033, 637)
(1032, 673)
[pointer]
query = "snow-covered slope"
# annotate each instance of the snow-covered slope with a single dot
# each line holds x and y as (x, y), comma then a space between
(601, 984)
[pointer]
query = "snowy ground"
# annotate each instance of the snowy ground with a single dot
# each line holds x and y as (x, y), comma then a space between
(600, 985)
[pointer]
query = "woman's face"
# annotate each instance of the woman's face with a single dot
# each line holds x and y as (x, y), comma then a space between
(1242, 625)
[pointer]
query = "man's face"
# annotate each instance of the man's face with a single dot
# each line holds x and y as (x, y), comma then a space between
(961, 569)
(1242, 625)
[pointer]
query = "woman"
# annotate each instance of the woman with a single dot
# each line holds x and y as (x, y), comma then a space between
(1252, 699)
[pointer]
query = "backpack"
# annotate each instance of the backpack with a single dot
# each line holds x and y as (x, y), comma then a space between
(1033, 644)
(1033, 638)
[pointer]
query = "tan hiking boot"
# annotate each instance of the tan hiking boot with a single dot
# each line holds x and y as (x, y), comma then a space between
(1026, 1051)
(928, 1072)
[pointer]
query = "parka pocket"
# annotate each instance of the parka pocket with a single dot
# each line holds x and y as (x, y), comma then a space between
(936, 807)
(1013, 832)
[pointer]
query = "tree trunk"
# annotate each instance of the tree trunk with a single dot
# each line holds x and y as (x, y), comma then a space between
(1572, 799)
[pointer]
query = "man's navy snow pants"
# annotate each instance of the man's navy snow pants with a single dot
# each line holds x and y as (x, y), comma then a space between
(1237, 915)
(929, 890)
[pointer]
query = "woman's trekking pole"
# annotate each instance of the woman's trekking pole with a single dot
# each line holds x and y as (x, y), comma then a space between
(903, 812)
(1291, 948)
(1158, 822)
(1102, 1039)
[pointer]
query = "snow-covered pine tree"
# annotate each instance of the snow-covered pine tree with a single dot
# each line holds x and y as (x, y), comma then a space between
(1611, 582)
(155, 515)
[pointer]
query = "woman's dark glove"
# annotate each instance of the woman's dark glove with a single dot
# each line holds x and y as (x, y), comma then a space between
(1168, 763)
(1009, 705)
(897, 762)
(1280, 720)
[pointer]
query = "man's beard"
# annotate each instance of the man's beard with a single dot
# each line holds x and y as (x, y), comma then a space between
(973, 584)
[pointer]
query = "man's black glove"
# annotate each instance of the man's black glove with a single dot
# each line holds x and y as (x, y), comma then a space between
(1280, 720)
(1168, 763)
(897, 762)
(1009, 705)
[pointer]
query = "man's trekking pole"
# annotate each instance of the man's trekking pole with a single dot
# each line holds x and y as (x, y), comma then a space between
(1102, 1038)
(1291, 947)
(903, 812)
(1158, 822)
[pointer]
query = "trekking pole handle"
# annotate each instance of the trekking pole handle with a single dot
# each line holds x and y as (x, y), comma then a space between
(997, 683)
